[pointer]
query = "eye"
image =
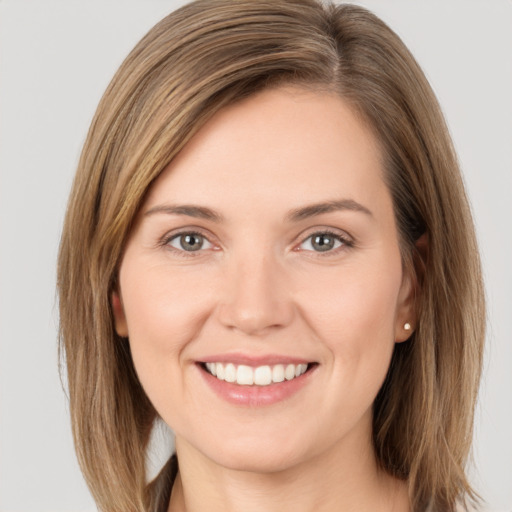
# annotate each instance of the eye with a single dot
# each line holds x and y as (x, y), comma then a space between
(190, 242)
(324, 241)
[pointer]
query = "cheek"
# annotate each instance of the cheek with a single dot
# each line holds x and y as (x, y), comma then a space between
(164, 315)
(353, 313)
(354, 302)
(164, 309)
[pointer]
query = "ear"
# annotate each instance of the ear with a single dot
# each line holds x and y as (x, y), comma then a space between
(120, 324)
(414, 271)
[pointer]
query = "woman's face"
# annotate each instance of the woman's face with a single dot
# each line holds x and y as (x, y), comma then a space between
(267, 249)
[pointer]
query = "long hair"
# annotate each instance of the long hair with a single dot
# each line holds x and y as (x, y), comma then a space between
(202, 57)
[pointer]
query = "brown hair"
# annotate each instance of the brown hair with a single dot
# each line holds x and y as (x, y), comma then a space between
(200, 58)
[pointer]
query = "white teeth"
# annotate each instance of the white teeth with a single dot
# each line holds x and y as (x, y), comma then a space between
(300, 369)
(259, 376)
(244, 375)
(263, 376)
(230, 373)
(219, 368)
(212, 368)
(278, 373)
(289, 373)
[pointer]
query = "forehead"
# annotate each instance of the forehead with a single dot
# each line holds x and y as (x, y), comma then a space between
(282, 146)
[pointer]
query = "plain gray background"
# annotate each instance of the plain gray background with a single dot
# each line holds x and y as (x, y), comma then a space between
(57, 57)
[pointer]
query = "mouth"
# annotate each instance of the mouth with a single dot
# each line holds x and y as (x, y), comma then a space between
(250, 380)
(262, 376)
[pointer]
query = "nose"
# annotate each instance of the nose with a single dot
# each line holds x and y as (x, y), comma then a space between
(256, 298)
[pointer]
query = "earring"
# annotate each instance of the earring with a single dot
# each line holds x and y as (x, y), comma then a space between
(407, 326)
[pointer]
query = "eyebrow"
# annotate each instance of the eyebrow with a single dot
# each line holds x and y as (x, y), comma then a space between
(200, 212)
(295, 215)
(306, 212)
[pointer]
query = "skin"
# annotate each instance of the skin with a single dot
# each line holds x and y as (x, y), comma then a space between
(258, 286)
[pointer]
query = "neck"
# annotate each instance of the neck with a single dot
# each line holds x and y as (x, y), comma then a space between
(346, 478)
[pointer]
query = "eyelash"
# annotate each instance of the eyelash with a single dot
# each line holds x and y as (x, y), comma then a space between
(345, 241)
(165, 242)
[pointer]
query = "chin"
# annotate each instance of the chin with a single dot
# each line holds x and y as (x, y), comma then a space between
(261, 455)
(255, 461)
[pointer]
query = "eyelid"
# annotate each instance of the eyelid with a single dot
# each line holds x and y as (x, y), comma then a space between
(346, 240)
(198, 235)
(165, 240)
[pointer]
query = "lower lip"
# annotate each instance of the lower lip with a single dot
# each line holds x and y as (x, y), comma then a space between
(256, 395)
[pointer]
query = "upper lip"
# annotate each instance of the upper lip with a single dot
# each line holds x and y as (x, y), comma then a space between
(254, 360)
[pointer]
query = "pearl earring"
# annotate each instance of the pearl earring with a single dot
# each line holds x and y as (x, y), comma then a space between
(407, 326)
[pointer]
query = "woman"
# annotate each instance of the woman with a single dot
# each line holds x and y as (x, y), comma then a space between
(269, 247)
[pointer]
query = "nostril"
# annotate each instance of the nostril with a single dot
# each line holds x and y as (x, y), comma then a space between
(255, 317)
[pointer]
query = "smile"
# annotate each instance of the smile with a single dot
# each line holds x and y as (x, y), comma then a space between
(266, 375)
